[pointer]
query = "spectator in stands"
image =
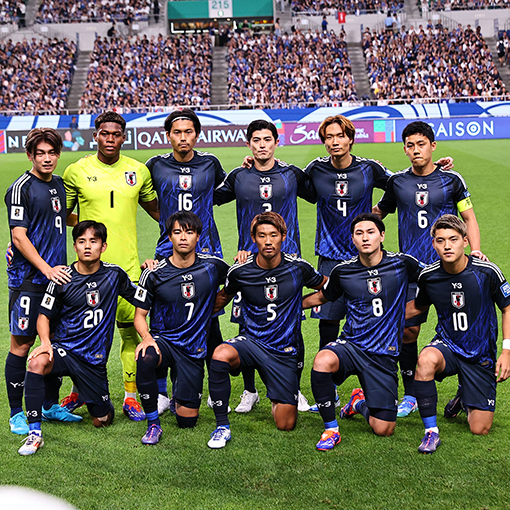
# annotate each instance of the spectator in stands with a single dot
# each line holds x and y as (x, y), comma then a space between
(331, 7)
(298, 70)
(142, 72)
(36, 76)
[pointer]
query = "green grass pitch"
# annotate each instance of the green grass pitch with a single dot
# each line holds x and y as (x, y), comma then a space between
(262, 467)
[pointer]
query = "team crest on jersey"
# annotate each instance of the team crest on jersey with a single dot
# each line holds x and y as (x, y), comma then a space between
(236, 311)
(185, 182)
(271, 292)
(23, 323)
(341, 188)
(458, 300)
(266, 191)
(55, 203)
(130, 178)
(188, 290)
(93, 297)
(374, 285)
(421, 198)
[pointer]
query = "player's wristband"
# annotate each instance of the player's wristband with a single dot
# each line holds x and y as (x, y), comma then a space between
(506, 343)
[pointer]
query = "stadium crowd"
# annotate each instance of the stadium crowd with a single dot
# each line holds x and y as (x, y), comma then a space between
(36, 76)
(331, 7)
(11, 10)
(298, 70)
(430, 62)
(464, 5)
(142, 72)
(76, 11)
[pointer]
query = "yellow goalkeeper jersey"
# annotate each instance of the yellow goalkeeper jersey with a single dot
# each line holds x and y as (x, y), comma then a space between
(110, 194)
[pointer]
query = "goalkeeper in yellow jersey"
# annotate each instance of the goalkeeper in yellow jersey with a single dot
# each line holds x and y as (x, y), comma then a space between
(108, 187)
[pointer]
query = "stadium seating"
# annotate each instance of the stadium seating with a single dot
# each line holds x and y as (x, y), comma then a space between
(430, 62)
(331, 7)
(8, 11)
(36, 76)
(76, 11)
(298, 70)
(463, 5)
(141, 72)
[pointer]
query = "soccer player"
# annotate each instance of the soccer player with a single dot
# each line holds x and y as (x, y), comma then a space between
(463, 290)
(185, 180)
(270, 283)
(108, 186)
(422, 194)
(85, 309)
(36, 213)
(374, 284)
(268, 185)
(179, 294)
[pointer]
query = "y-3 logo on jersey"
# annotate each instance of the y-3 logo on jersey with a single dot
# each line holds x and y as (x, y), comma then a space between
(185, 182)
(458, 300)
(266, 191)
(374, 285)
(130, 178)
(188, 290)
(421, 198)
(93, 297)
(341, 188)
(55, 204)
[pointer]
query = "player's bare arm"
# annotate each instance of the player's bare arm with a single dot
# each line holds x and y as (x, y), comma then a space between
(43, 330)
(503, 362)
(315, 298)
(471, 222)
(152, 208)
(222, 300)
(71, 218)
(412, 310)
(55, 274)
(382, 214)
(142, 328)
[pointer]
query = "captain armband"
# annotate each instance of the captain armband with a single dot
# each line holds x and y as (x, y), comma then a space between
(464, 205)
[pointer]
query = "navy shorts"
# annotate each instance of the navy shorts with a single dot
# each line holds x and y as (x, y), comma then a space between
(422, 317)
(332, 310)
(91, 380)
(187, 374)
(278, 372)
(23, 312)
(478, 382)
(377, 374)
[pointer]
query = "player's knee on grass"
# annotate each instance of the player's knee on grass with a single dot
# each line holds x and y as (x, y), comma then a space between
(285, 416)
(326, 361)
(383, 421)
(430, 362)
(102, 415)
(411, 334)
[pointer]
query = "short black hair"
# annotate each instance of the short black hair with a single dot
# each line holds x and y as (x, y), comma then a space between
(418, 127)
(110, 117)
(374, 218)
(257, 125)
(98, 228)
(184, 114)
(186, 220)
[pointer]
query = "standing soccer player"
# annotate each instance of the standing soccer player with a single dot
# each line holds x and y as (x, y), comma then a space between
(375, 287)
(422, 194)
(185, 180)
(179, 294)
(271, 284)
(463, 290)
(36, 213)
(269, 185)
(108, 186)
(85, 309)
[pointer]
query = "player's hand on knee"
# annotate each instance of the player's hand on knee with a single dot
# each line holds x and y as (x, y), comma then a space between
(144, 345)
(42, 349)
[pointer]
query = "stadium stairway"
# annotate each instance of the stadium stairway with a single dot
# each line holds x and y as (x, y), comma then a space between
(219, 76)
(32, 8)
(504, 71)
(359, 70)
(79, 80)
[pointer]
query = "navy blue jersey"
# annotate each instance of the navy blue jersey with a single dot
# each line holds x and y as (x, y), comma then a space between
(181, 301)
(375, 299)
(341, 195)
(40, 207)
(258, 191)
(272, 300)
(187, 187)
(85, 309)
(466, 316)
(421, 200)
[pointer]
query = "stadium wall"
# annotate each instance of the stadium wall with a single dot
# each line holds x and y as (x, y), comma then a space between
(455, 121)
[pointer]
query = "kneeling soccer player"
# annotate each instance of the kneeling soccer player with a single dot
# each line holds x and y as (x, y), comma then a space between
(180, 294)
(463, 290)
(270, 283)
(374, 284)
(85, 308)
